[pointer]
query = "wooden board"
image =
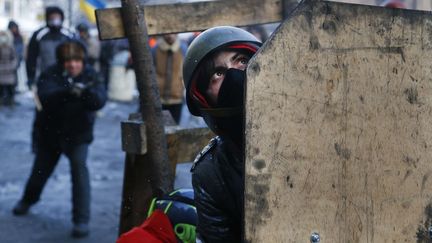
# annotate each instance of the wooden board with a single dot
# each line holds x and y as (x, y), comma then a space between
(185, 144)
(338, 127)
(187, 17)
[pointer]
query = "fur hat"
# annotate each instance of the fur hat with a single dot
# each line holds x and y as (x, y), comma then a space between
(70, 50)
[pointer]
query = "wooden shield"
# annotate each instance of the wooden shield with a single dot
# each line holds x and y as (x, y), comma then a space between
(338, 127)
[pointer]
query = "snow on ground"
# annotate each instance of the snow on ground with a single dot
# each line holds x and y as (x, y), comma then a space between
(50, 220)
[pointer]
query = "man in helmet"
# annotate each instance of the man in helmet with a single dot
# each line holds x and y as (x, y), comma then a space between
(214, 75)
(70, 93)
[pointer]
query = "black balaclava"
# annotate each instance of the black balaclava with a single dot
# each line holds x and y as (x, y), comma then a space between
(231, 92)
(226, 117)
(231, 95)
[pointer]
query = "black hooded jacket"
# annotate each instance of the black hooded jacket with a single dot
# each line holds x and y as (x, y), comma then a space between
(41, 49)
(218, 182)
(65, 117)
(42, 45)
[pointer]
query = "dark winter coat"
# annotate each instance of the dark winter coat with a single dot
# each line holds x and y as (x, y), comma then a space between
(41, 49)
(218, 182)
(8, 65)
(66, 117)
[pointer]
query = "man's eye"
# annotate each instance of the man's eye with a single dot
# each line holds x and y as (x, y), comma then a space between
(244, 61)
(219, 73)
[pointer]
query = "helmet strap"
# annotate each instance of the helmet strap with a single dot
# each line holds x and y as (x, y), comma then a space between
(223, 112)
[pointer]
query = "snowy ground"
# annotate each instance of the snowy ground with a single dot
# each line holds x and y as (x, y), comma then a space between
(50, 220)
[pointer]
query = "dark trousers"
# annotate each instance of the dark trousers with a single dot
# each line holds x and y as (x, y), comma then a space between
(175, 111)
(7, 93)
(45, 163)
(35, 132)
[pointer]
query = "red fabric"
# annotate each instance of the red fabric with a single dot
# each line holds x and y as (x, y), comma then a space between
(394, 4)
(156, 229)
(248, 47)
(152, 42)
(198, 96)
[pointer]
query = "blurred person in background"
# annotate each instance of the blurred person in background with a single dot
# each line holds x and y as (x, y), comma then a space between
(18, 44)
(168, 55)
(109, 49)
(91, 43)
(41, 53)
(8, 67)
(192, 37)
(42, 45)
(258, 31)
(18, 40)
(70, 93)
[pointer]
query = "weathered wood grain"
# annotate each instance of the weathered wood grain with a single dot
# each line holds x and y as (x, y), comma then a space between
(109, 23)
(187, 17)
(133, 138)
(185, 144)
(338, 127)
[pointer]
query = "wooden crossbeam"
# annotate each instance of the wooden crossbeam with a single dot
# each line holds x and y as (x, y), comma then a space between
(188, 17)
(183, 143)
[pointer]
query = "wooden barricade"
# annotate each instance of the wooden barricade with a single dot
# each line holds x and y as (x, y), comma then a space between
(338, 127)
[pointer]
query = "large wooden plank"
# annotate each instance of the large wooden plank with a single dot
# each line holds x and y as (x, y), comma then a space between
(186, 17)
(338, 127)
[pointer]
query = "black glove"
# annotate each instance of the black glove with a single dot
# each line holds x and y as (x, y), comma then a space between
(77, 89)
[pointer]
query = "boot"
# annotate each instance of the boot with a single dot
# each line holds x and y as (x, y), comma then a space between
(80, 230)
(21, 208)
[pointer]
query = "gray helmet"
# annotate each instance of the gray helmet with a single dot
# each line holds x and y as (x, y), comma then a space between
(203, 45)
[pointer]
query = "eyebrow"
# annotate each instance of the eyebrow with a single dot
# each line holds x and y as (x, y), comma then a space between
(223, 66)
(236, 56)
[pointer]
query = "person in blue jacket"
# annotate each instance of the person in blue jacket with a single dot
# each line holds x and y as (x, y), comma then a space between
(41, 53)
(70, 93)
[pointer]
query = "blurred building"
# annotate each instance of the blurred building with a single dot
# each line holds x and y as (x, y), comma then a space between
(411, 4)
(419, 4)
(29, 14)
(25, 12)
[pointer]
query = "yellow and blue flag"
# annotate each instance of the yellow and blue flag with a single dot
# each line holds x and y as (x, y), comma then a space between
(89, 6)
